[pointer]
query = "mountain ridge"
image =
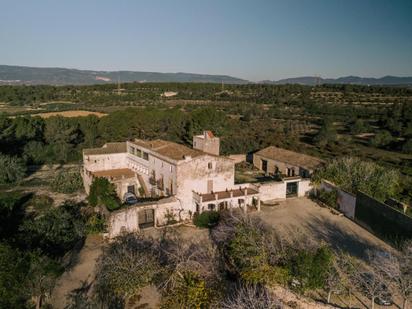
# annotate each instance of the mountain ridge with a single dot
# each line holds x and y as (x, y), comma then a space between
(17, 75)
(11, 74)
(351, 79)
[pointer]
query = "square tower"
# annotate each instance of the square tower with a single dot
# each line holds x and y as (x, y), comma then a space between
(207, 142)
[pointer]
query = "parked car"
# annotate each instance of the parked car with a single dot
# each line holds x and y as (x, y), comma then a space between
(130, 198)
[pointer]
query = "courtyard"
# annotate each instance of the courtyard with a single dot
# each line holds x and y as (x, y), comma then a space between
(302, 216)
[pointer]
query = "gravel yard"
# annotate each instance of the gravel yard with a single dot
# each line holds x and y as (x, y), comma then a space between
(302, 215)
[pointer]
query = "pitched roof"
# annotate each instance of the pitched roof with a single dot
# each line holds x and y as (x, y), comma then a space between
(107, 149)
(290, 157)
(168, 149)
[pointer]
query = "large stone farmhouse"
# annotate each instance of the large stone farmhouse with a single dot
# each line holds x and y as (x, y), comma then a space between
(179, 180)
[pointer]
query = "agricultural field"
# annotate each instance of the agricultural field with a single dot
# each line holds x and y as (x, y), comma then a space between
(70, 114)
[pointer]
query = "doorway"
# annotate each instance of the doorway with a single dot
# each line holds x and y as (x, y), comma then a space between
(146, 218)
(265, 166)
(131, 189)
(291, 189)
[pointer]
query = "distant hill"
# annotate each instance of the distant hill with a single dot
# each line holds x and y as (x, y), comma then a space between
(313, 80)
(61, 76)
(16, 75)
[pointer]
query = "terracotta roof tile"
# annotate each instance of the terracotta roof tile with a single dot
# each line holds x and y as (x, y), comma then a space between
(169, 149)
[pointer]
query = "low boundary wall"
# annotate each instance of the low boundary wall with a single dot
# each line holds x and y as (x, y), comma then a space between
(381, 219)
(346, 201)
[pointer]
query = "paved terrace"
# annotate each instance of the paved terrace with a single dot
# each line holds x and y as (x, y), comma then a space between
(221, 195)
(241, 197)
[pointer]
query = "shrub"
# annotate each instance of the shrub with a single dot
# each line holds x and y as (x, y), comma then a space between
(206, 219)
(56, 231)
(407, 146)
(41, 202)
(311, 268)
(330, 198)
(128, 264)
(12, 169)
(103, 193)
(190, 292)
(95, 224)
(353, 174)
(13, 269)
(381, 139)
(170, 217)
(67, 182)
(249, 250)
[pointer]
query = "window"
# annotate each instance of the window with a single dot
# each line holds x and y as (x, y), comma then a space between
(171, 169)
(146, 156)
(131, 150)
(138, 152)
(210, 165)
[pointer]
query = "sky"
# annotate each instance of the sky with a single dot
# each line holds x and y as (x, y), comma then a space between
(250, 39)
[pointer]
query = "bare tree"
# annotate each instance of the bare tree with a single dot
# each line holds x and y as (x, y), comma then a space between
(181, 256)
(251, 297)
(346, 265)
(370, 280)
(398, 269)
(334, 279)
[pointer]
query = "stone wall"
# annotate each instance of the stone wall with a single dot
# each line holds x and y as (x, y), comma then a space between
(194, 175)
(126, 220)
(105, 161)
(273, 165)
(381, 219)
(238, 158)
(346, 201)
(276, 190)
(272, 190)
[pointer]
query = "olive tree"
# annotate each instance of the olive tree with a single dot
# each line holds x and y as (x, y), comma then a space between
(12, 169)
(353, 174)
(126, 265)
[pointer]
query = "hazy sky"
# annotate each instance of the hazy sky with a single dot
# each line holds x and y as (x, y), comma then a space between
(253, 39)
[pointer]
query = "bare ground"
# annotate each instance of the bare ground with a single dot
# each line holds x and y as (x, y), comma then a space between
(305, 217)
(83, 273)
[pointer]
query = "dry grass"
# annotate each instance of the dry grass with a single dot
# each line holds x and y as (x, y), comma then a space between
(77, 113)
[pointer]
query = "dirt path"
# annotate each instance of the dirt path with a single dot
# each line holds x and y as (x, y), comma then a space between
(82, 272)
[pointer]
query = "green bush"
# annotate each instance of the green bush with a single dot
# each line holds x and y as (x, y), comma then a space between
(206, 219)
(41, 202)
(329, 198)
(311, 268)
(353, 174)
(103, 193)
(55, 231)
(67, 182)
(95, 224)
(12, 169)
